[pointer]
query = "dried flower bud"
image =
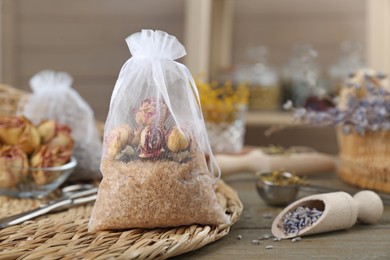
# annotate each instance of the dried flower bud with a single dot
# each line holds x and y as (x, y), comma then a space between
(20, 132)
(176, 140)
(62, 140)
(48, 156)
(363, 84)
(117, 139)
(152, 111)
(152, 141)
(46, 130)
(55, 134)
(13, 166)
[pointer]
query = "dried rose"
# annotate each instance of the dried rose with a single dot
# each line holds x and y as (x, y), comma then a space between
(20, 132)
(152, 111)
(48, 156)
(117, 139)
(176, 140)
(13, 166)
(47, 130)
(55, 134)
(152, 141)
(62, 140)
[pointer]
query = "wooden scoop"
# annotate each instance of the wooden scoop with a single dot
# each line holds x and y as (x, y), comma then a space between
(256, 160)
(340, 211)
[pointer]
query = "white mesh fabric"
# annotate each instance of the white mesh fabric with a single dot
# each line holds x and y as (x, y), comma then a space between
(54, 98)
(152, 72)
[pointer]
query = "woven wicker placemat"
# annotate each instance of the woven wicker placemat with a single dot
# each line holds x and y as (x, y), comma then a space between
(64, 235)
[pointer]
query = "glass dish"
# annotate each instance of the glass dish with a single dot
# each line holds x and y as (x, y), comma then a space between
(35, 182)
(227, 134)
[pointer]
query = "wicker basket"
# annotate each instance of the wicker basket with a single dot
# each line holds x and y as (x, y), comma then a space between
(364, 160)
(64, 235)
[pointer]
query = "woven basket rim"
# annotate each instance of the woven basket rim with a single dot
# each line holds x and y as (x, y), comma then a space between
(65, 234)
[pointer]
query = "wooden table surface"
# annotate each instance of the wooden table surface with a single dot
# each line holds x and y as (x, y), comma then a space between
(359, 242)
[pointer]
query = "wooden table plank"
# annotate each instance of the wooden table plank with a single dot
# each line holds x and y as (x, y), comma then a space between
(358, 242)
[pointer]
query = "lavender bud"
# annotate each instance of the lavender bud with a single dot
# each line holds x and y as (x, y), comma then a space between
(381, 75)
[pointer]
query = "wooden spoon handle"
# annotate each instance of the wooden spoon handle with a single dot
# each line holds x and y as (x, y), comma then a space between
(256, 160)
(303, 163)
(252, 161)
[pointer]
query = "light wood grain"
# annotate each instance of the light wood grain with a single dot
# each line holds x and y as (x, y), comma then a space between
(300, 7)
(197, 36)
(378, 37)
(101, 7)
(99, 30)
(222, 36)
(8, 48)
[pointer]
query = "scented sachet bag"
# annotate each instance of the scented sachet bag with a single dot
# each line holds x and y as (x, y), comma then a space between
(54, 98)
(157, 164)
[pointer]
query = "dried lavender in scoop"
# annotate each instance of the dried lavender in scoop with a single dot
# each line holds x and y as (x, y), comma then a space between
(298, 219)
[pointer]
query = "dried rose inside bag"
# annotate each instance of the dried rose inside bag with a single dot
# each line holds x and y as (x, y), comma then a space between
(154, 169)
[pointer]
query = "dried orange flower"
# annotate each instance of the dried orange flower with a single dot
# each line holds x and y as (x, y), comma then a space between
(221, 103)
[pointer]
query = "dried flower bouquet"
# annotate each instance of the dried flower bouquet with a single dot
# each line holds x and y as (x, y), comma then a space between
(361, 114)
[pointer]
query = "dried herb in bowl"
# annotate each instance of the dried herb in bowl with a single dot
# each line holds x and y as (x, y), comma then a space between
(278, 188)
(280, 178)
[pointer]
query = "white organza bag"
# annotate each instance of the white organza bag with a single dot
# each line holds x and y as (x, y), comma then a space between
(157, 163)
(54, 98)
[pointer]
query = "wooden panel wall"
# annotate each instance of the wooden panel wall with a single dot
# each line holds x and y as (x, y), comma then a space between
(282, 23)
(85, 38)
(378, 34)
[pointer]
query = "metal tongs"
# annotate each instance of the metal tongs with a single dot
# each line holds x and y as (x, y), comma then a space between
(72, 196)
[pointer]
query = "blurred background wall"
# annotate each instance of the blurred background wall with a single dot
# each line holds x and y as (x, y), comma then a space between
(282, 24)
(86, 38)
